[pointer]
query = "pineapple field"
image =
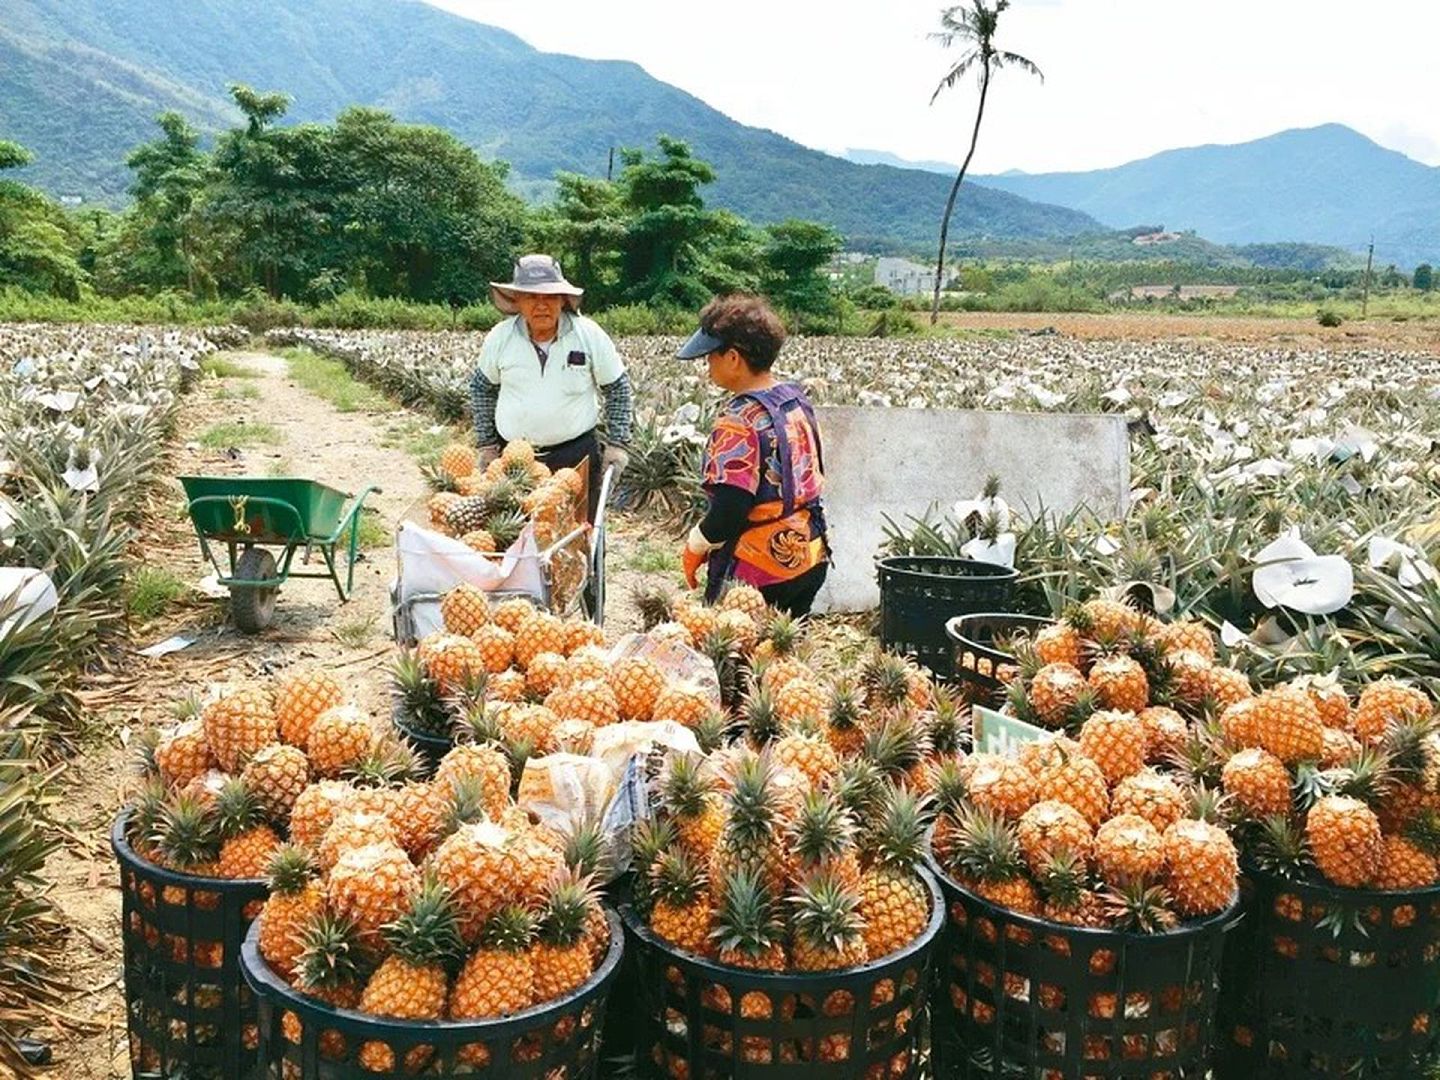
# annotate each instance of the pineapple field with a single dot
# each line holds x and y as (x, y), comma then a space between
(809, 862)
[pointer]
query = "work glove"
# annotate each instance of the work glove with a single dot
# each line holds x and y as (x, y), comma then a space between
(485, 455)
(697, 549)
(615, 457)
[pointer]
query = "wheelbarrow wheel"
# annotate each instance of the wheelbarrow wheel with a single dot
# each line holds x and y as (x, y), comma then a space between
(253, 607)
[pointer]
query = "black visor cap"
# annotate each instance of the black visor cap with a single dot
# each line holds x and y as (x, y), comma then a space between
(700, 344)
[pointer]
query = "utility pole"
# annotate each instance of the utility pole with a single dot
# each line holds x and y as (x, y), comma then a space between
(1369, 262)
(610, 169)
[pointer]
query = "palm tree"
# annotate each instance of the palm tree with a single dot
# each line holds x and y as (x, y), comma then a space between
(974, 28)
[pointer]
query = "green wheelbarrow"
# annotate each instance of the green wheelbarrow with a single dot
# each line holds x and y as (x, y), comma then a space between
(249, 514)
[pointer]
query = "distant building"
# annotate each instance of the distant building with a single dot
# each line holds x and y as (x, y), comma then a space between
(1151, 239)
(905, 278)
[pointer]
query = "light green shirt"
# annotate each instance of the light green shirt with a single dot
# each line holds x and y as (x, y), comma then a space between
(559, 401)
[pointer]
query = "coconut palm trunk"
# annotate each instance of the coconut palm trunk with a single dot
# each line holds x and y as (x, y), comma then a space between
(955, 192)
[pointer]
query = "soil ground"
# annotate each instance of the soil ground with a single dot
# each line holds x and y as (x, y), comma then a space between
(282, 430)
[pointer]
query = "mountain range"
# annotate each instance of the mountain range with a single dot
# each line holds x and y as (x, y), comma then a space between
(81, 82)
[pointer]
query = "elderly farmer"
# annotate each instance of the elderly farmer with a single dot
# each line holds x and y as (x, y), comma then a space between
(541, 375)
(762, 469)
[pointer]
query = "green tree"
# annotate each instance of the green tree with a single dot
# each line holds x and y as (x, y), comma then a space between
(37, 244)
(1424, 278)
(796, 253)
(972, 28)
(585, 229)
(668, 225)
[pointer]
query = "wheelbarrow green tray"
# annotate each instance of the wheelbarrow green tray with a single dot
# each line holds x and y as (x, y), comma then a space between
(250, 513)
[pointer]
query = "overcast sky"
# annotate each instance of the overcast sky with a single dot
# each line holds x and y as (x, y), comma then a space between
(1123, 78)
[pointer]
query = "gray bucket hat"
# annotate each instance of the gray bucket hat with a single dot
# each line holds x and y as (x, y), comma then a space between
(539, 274)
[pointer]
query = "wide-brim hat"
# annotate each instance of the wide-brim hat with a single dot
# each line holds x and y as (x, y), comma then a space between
(539, 275)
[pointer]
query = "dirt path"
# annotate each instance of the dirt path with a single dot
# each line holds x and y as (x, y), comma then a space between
(253, 420)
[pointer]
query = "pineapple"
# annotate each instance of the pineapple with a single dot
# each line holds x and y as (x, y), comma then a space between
(510, 614)
(478, 864)
(1405, 865)
(499, 977)
(1148, 794)
(457, 460)
(329, 970)
(1189, 636)
(495, 644)
(561, 957)
(1226, 686)
(586, 664)
(186, 839)
(988, 861)
(806, 751)
(371, 886)
(1109, 620)
(1065, 884)
(1063, 773)
(1128, 848)
(1054, 692)
(487, 765)
(822, 838)
(354, 828)
(415, 697)
(592, 700)
(247, 843)
(894, 902)
(1001, 785)
(541, 632)
(543, 674)
(1050, 827)
(745, 599)
(315, 809)
(748, 932)
(581, 632)
(533, 725)
(637, 683)
(1120, 683)
(452, 660)
(296, 899)
(698, 620)
(687, 793)
(439, 506)
(780, 637)
(1239, 726)
(1059, 643)
(1258, 781)
(182, 754)
(301, 695)
(1344, 838)
(1203, 870)
(464, 609)
(411, 983)
(276, 776)
(1287, 724)
(681, 912)
(828, 929)
(1330, 698)
(239, 724)
(1165, 733)
(844, 718)
(685, 703)
(1116, 742)
(1385, 701)
(801, 701)
(338, 739)
(750, 838)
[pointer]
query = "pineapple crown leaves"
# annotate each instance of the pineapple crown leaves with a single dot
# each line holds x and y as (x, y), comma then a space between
(858, 786)
(469, 693)
(896, 746)
(466, 804)
(947, 724)
(427, 932)
(1206, 802)
(188, 707)
(712, 731)
(330, 954)
(751, 798)
(147, 808)
(948, 786)
(1424, 831)
(237, 810)
(568, 903)
(746, 920)
(142, 752)
(1087, 704)
(388, 762)
(1064, 877)
(292, 868)
(898, 839)
(1409, 744)
(762, 718)
(586, 850)
(187, 832)
(1278, 845)
(845, 709)
(686, 787)
(887, 679)
(649, 840)
(783, 631)
(510, 929)
(823, 830)
(1139, 908)
(676, 878)
(1367, 776)
(826, 912)
(480, 725)
(416, 696)
(986, 847)
(655, 603)
(721, 645)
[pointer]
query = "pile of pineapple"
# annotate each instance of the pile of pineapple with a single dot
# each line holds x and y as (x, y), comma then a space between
(399, 897)
(487, 508)
(539, 683)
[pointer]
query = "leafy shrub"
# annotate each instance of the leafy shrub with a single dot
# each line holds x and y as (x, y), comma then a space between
(1326, 317)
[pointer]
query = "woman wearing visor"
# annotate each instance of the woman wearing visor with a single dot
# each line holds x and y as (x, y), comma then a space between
(763, 470)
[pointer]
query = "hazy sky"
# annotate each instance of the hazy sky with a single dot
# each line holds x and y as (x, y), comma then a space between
(1123, 78)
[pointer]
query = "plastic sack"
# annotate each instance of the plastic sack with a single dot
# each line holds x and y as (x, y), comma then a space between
(431, 564)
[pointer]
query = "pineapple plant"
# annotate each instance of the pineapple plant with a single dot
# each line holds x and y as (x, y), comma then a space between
(687, 792)
(247, 844)
(680, 910)
(296, 899)
(828, 928)
(822, 838)
(498, 979)
(894, 902)
(415, 697)
(561, 956)
(750, 837)
(329, 969)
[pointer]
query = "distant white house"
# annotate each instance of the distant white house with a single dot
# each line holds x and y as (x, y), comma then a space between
(905, 278)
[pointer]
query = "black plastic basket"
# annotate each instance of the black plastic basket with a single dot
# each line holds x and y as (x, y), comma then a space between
(558, 1039)
(919, 594)
(701, 1020)
(187, 1009)
(429, 749)
(980, 668)
(1327, 982)
(1024, 997)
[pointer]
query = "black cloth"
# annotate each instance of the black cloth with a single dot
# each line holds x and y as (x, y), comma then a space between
(796, 596)
(728, 513)
(569, 455)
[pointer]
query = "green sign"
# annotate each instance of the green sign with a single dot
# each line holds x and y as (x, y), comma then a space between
(996, 733)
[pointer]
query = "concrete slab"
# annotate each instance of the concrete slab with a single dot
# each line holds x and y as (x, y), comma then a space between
(898, 462)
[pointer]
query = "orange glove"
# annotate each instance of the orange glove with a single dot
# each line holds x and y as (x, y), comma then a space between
(697, 549)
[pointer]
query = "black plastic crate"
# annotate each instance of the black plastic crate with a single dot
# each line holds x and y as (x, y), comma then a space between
(429, 748)
(1327, 982)
(1023, 997)
(188, 1011)
(919, 594)
(701, 1020)
(979, 666)
(559, 1039)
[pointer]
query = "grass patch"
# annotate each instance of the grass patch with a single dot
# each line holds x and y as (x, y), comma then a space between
(224, 367)
(328, 379)
(651, 558)
(356, 633)
(373, 532)
(282, 467)
(242, 392)
(224, 436)
(152, 589)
